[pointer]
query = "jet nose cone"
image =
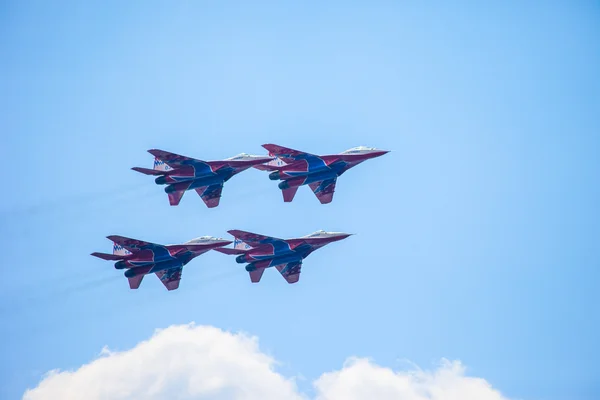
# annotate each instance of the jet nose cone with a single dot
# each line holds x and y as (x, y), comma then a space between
(380, 153)
(342, 236)
(219, 243)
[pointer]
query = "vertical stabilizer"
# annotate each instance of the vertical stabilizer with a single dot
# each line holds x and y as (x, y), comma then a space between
(160, 165)
(276, 162)
(120, 250)
(238, 244)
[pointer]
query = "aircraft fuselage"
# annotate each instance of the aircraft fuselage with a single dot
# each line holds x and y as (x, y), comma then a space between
(197, 182)
(271, 262)
(149, 267)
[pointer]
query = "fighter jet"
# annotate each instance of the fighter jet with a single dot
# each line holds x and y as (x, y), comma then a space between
(182, 173)
(286, 255)
(296, 168)
(142, 258)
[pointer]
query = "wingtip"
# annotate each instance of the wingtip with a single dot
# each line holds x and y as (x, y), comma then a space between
(267, 145)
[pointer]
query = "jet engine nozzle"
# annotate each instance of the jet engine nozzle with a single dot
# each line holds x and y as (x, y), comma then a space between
(130, 273)
(284, 185)
(240, 259)
(274, 176)
(120, 264)
(161, 180)
(250, 267)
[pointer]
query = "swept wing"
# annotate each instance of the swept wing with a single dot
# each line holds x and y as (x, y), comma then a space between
(133, 245)
(170, 277)
(288, 155)
(211, 195)
(290, 271)
(324, 190)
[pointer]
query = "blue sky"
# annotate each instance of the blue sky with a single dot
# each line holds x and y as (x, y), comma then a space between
(477, 235)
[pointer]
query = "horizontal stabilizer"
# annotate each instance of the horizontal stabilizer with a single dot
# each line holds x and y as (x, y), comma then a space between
(288, 194)
(256, 275)
(135, 282)
(229, 251)
(109, 257)
(148, 171)
(175, 197)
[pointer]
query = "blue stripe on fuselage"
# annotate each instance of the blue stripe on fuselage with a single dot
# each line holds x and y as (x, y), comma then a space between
(174, 263)
(284, 251)
(282, 259)
(161, 254)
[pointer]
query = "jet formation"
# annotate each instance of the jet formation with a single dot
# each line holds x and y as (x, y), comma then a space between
(293, 168)
(258, 251)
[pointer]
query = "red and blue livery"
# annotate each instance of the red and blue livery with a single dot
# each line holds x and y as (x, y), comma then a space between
(286, 255)
(181, 173)
(297, 168)
(141, 258)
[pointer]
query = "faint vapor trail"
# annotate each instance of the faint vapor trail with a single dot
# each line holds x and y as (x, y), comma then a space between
(59, 294)
(64, 321)
(68, 202)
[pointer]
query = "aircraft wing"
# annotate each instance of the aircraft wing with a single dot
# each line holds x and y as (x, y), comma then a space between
(230, 251)
(170, 277)
(133, 245)
(175, 160)
(211, 195)
(324, 190)
(196, 248)
(290, 271)
(287, 154)
(253, 239)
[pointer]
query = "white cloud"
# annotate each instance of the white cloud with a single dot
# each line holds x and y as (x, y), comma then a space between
(203, 362)
(360, 379)
(180, 362)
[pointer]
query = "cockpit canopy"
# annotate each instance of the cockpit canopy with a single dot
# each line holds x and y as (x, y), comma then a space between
(203, 239)
(359, 149)
(243, 156)
(316, 234)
